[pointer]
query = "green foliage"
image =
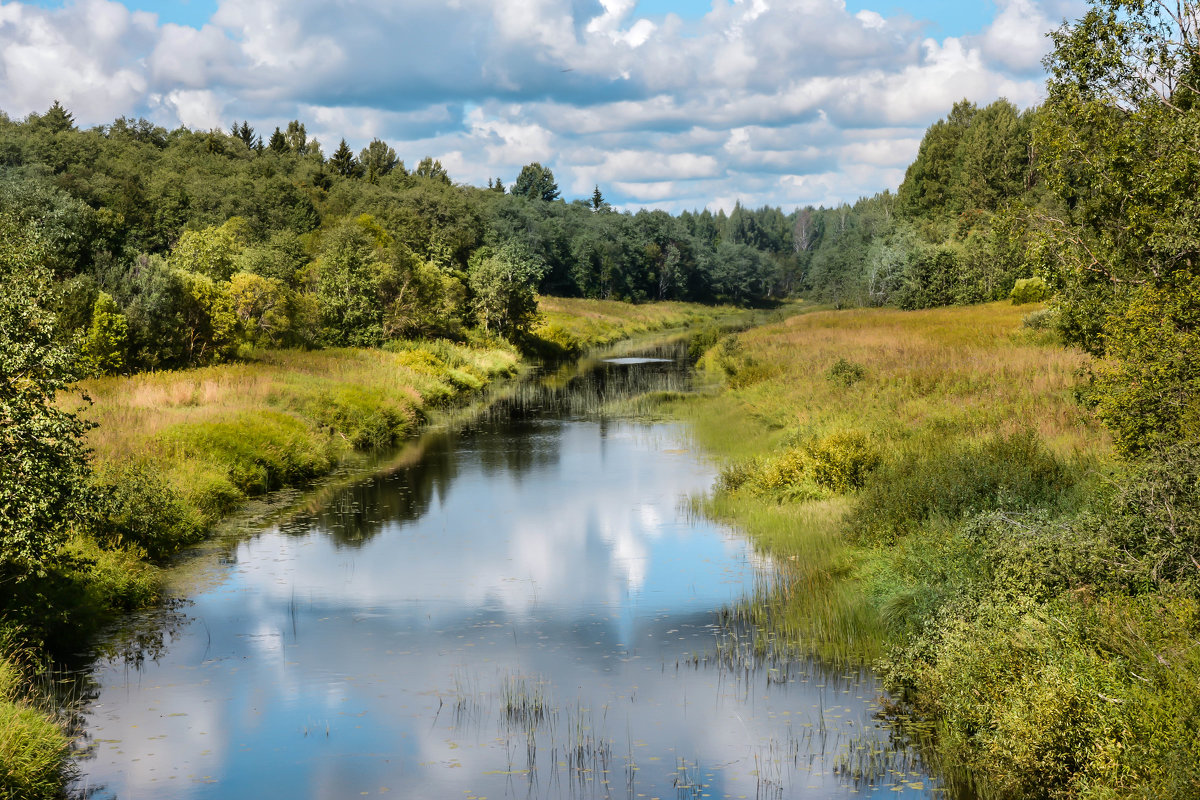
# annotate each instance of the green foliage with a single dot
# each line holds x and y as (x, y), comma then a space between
(212, 252)
(1028, 290)
(107, 337)
(931, 481)
(536, 182)
(846, 373)
(1156, 517)
(43, 464)
(838, 463)
(1146, 389)
(138, 508)
(841, 461)
(503, 283)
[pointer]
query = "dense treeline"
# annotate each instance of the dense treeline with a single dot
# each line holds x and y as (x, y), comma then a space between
(957, 231)
(178, 248)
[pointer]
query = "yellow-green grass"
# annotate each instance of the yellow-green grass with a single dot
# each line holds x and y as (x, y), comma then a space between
(928, 378)
(574, 324)
(33, 746)
(218, 434)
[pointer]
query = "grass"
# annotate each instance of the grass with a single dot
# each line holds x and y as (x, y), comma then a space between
(904, 381)
(33, 745)
(982, 566)
(569, 326)
(213, 437)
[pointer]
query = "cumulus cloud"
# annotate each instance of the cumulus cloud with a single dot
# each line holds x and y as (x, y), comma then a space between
(785, 102)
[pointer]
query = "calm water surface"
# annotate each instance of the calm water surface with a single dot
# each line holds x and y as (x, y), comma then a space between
(522, 611)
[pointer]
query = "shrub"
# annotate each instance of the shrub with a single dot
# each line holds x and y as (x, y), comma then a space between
(1040, 320)
(1156, 519)
(1029, 290)
(846, 373)
(841, 462)
(702, 341)
(1009, 472)
(137, 507)
(838, 463)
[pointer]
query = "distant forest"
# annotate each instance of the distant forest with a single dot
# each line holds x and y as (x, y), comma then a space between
(178, 248)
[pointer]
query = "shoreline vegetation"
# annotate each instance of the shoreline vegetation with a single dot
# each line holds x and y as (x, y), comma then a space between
(941, 506)
(176, 452)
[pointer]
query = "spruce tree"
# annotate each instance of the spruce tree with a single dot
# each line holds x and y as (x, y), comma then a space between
(343, 161)
(279, 143)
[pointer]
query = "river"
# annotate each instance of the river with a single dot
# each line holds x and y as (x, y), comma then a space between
(518, 605)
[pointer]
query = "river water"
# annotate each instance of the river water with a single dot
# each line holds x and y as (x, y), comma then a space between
(520, 605)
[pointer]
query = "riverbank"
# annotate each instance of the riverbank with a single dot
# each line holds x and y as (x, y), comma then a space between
(943, 507)
(176, 452)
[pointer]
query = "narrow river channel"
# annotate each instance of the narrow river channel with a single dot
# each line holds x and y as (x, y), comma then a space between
(524, 611)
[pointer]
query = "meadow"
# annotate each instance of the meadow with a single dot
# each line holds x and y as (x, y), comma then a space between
(942, 506)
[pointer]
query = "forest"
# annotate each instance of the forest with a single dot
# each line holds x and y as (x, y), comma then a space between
(176, 249)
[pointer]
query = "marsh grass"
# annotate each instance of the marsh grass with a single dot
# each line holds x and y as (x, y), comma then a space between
(1036, 628)
(190, 446)
(34, 748)
(930, 384)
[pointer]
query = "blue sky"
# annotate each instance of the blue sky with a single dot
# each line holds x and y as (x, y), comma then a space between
(663, 103)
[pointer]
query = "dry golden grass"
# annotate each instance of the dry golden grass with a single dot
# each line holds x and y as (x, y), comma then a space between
(964, 371)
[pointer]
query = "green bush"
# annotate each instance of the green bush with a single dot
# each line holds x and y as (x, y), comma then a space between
(1040, 320)
(1029, 290)
(841, 462)
(936, 481)
(1156, 516)
(838, 463)
(701, 341)
(846, 373)
(137, 507)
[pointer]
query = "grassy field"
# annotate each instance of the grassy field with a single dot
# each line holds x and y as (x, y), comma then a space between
(942, 506)
(570, 325)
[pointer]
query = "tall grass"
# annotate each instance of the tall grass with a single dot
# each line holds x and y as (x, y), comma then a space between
(1035, 619)
(962, 406)
(34, 749)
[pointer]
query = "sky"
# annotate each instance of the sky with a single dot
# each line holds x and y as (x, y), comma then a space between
(673, 104)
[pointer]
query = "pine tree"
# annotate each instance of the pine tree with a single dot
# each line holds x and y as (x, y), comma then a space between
(343, 161)
(58, 119)
(279, 142)
(245, 133)
(537, 182)
(597, 199)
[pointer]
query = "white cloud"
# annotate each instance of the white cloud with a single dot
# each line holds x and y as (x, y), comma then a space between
(768, 101)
